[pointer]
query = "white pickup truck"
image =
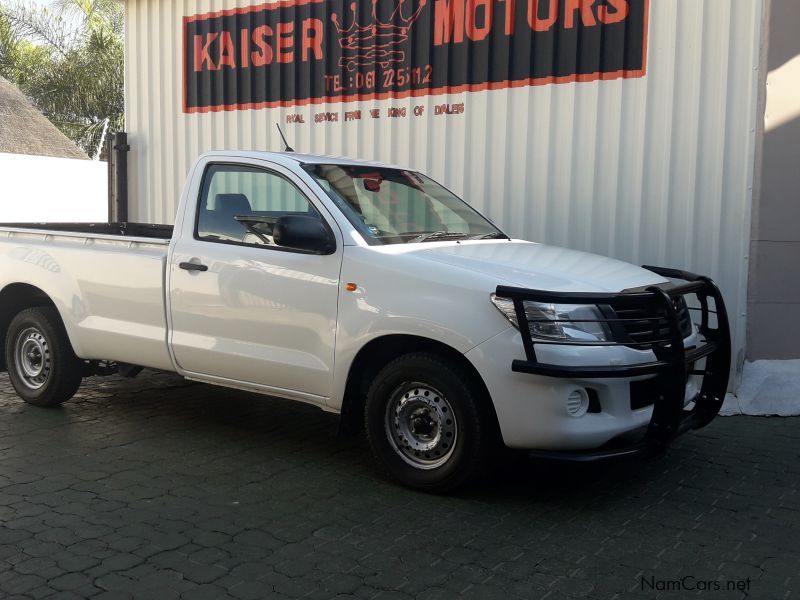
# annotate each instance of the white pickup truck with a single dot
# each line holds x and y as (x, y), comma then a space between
(374, 292)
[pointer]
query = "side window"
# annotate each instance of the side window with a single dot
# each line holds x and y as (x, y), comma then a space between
(241, 204)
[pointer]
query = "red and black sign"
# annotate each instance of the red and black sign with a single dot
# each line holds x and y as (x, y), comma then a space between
(295, 52)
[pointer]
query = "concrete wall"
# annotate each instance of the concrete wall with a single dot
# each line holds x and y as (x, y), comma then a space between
(44, 188)
(774, 290)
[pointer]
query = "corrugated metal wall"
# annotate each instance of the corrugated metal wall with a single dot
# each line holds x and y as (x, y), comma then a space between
(654, 170)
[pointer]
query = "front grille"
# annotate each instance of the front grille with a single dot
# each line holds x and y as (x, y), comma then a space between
(643, 330)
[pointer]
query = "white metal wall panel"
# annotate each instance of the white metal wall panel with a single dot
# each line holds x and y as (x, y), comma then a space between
(653, 170)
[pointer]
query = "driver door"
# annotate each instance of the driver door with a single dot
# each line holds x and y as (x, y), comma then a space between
(244, 309)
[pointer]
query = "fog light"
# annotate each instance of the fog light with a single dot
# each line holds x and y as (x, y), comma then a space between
(578, 403)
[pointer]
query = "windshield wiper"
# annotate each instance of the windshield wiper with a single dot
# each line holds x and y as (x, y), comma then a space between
(437, 235)
(490, 236)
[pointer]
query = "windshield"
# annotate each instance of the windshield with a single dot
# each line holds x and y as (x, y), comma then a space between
(394, 206)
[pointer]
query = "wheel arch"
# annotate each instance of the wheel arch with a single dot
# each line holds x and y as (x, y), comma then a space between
(14, 298)
(376, 354)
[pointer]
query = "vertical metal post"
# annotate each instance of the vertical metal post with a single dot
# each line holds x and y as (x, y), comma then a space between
(121, 149)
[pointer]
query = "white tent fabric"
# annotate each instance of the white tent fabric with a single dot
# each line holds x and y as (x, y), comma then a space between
(769, 387)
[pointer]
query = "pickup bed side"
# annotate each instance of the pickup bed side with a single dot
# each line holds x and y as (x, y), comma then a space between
(108, 289)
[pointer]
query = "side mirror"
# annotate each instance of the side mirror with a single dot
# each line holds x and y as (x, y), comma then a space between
(302, 233)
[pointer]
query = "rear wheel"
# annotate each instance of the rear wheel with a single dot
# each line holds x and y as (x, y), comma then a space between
(41, 364)
(426, 422)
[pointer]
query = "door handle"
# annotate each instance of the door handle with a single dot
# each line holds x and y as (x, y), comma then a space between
(190, 266)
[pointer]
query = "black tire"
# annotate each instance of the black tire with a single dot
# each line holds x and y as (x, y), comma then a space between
(390, 416)
(41, 332)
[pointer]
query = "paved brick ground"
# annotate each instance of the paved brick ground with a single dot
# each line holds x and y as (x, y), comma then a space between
(158, 488)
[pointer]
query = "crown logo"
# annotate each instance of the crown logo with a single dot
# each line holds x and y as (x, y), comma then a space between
(375, 42)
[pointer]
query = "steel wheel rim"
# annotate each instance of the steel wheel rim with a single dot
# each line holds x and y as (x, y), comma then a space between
(34, 362)
(421, 425)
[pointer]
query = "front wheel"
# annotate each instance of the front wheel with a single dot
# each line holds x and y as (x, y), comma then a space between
(41, 364)
(426, 422)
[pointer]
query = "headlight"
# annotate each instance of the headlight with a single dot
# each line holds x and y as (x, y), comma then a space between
(558, 321)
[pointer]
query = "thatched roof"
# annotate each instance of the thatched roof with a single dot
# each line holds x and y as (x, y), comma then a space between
(24, 130)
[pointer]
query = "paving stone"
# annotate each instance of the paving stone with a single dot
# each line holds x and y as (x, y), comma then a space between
(199, 573)
(207, 592)
(210, 538)
(34, 547)
(117, 562)
(114, 595)
(35, 566)
(70, 581)
(250, 590)
(20, 584)
(11, 536)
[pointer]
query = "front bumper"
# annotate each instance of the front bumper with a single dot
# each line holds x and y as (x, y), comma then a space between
(669, 360)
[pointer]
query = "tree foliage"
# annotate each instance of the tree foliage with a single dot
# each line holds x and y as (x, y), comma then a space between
(68, 59)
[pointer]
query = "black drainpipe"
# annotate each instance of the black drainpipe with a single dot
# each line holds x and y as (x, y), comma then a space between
(121, 149)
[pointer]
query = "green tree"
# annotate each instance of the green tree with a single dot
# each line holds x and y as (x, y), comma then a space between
(68, 58)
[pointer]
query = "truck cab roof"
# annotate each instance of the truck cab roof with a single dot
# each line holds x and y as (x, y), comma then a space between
(293, 158)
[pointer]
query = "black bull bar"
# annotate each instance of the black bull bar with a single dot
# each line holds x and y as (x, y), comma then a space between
(673, 363)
